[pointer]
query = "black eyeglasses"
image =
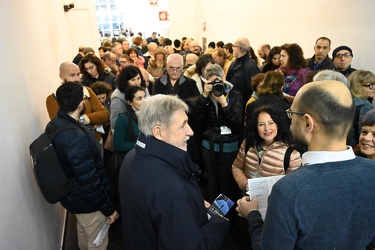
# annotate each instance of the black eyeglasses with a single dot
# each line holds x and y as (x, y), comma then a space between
(172, 69)
(346, 55)
(371, 85)
(290, 113)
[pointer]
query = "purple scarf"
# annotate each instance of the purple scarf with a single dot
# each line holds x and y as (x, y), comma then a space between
(300, 73)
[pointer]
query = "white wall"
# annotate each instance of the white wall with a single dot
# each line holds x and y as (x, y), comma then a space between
(345, 22)
(35, 41)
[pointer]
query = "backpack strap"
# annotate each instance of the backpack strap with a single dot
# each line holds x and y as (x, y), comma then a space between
(247, 146)
(51, 131)
(287, 158)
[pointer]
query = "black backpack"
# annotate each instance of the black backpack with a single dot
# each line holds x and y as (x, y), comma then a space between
(47, 168)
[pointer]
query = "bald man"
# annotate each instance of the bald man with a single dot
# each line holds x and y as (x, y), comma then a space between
(194, 48)
(328, 203)
(264, 50)
(242, 69)
(95, 113)
(190, 60)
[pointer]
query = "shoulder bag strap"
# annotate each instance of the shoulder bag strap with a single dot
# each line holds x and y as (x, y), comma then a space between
(287, 158)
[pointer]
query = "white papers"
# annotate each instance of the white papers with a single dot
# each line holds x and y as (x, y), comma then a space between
(261, 188)
(100, 129)
(101, 235)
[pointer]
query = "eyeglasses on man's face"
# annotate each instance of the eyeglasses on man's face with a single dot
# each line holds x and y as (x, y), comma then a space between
(289, 113)
(173, 69)
(346, 55)
(370, 85)
(235, 46)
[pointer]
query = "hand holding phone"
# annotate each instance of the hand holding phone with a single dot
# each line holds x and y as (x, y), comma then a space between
(220, 206)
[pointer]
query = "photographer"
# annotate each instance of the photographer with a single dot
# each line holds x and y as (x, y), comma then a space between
(219, 110)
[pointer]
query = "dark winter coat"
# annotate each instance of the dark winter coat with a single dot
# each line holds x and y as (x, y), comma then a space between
(161, 202)
(78, 152)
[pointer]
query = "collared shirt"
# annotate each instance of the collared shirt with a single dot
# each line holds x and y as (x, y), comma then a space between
(317, 64)
(316, 157)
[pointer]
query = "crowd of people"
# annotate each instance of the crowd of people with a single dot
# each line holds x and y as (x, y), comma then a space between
(163, 128)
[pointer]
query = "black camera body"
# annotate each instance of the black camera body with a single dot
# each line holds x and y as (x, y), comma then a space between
(218, 88)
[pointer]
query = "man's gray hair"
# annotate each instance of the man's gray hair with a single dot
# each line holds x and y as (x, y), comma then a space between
(114, 45)
(214, 70)
(244, 44)
(331, 75)
(158, 110)
(174, 56)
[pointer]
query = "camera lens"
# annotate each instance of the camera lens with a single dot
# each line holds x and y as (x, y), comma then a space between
(218, 87)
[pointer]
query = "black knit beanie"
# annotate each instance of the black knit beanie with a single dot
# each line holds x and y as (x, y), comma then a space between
(343, 47)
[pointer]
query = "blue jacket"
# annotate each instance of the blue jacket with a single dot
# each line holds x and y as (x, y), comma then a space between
(78, 151)
(161, 202)
(320, 206)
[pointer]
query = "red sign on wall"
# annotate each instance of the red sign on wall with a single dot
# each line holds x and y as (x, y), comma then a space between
(153, 3)
(163, 16)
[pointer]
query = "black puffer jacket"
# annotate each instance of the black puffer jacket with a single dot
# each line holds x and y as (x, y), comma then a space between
(203, 110)
(78, 151)
(240, 73)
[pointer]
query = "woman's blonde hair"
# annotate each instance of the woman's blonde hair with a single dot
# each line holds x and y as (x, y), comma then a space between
(359, 78)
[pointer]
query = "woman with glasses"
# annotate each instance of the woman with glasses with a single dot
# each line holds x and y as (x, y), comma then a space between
(92, 70)
(266, 150)
(362, 87)
(293, 66)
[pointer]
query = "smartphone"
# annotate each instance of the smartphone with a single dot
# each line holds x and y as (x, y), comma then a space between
(220, 206)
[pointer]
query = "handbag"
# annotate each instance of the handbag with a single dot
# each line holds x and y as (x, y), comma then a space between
(109, 142)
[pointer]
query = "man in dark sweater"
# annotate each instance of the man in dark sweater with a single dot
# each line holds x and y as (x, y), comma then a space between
(328, 203)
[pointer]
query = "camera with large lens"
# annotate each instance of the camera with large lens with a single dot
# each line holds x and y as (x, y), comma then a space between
(218, 88)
